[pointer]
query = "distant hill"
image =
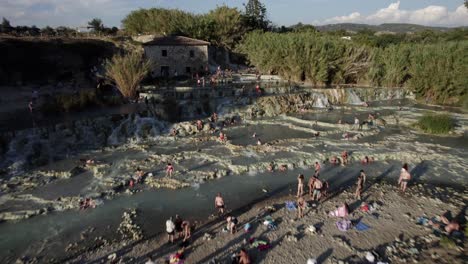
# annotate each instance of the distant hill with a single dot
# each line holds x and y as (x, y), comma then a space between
(390, 27)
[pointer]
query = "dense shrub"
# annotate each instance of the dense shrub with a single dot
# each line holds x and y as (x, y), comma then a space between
(436, 71)
(76, 102)
(436, 123)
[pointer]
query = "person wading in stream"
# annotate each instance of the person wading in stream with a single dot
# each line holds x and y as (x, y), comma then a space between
(219, 203)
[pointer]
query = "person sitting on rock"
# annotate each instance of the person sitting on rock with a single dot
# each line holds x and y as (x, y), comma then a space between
(334, 160)
(222, 137)
(341, 211)
(344, 156)
(283, 167)
(271, 167)
(139, 175)
(199, 125)
(446, 223)
(365, 160)
(259, 142)
(300, 207)
(232, 224)
(243, 257)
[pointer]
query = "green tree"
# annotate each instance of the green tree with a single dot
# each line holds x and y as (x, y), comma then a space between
(5, 27)
(256, 15)
(127, 71)
(227, 25)
(48, 31)
(466, 3)
(96, 25)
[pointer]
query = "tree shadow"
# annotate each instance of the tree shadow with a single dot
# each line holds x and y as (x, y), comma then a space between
(419, 170)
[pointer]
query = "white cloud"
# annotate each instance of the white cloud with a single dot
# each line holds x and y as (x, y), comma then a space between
(65, 12)
(430, 15)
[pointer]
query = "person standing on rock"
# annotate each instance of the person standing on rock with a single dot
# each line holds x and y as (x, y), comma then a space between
(170, 229)
(169, 170)
(317, 167)
(318, 184)
(300, 185)
(405, 177)
(219, 203)
(178, 226)
(356, 123)
(187, 231)
(359, 187)
(364, 177)
(311, 184)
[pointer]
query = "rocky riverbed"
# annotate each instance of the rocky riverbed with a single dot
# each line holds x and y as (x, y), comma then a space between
(287, 126)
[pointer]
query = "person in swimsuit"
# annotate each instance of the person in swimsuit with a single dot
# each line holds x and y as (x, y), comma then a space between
(317, 167)
(259, 142)
(300, 185)
(244, 257)
(199, 125)
(405, 177)
(169, 170)
(170, 229)
(283, 167)
(219, 203)
(222, 137)
(334, 160)
(139, 175)
(178, 226)
(364, 177)
(231, 224)
(311, 184)
(300, 207)
(359, 188)
(325, 188)
(318, 184)
(187, 231)
(365, 160)
(344, 156)
(271, 167)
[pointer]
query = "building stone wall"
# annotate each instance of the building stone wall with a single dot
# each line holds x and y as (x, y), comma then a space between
(178, 59)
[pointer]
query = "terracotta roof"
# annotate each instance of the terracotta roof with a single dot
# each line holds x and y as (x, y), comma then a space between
(175, 41)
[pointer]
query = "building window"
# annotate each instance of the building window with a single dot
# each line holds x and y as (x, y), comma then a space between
(192, 54)
(164, 53)
(188, 70)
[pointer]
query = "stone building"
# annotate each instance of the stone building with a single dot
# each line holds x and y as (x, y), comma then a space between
(176, 55)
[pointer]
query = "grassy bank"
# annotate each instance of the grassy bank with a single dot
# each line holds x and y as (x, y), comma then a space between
(436, 123)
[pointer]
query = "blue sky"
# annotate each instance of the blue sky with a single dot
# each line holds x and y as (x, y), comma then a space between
(281, 12)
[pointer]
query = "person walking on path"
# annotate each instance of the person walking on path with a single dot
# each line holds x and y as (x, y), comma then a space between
(405, 177)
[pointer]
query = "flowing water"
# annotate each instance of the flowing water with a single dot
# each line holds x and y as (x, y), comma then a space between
(237, 169)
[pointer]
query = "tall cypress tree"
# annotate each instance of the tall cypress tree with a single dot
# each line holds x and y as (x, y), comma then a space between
(256, 15)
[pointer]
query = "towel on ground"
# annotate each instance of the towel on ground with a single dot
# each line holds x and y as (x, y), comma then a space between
(290, 205)
(361, 226)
